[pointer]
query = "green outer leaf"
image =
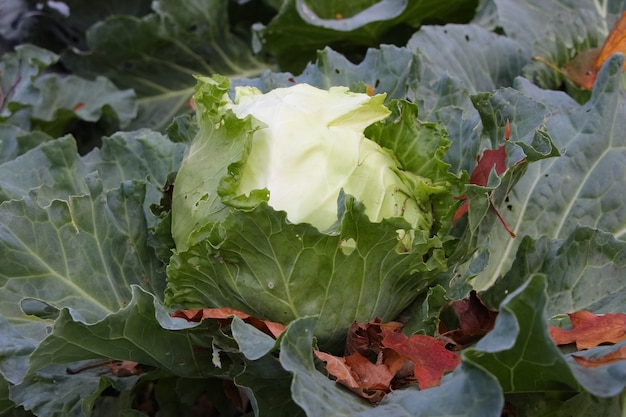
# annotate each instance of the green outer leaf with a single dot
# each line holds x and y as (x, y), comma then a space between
(603, 381)
(6, 404)
(82, 99)
(450, 64)
(15, 350)
(469, 391)
(54, 169)
(279, 271)
(583, 272)
(252, 342)
(555, 31)
(17, 71)
(385, 69)
(139, 155)
(565, 405)
(83, 253)
(584, 186)
(16, 141)
(460, 51)
(53, 392)
(159, 54)
(197, 194)
(519, 351)
(301, 27)
(50, 101)
(142, 332)
(268, 387)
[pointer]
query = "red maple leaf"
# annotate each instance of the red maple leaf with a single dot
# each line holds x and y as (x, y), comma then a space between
(590, 330)
(491, 160)
(430, 357)
(225, 314)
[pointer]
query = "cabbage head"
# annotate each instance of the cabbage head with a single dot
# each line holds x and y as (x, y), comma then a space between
(284, 207)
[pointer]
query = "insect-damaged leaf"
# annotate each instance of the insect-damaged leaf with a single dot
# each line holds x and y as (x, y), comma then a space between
(590, 330)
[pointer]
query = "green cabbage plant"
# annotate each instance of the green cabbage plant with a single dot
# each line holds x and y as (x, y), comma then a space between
(284, 207)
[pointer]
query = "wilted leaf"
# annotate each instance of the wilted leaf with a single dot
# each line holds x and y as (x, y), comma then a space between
(518, 351)
(589, 330)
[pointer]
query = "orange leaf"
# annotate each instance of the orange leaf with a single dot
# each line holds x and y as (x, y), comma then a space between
(589, 330)
(429, 355)
(368, 380)
(615, 356)
(225, 314)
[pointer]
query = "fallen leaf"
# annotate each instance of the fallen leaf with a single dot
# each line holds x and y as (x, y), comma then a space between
(430, 357)
(379, 359)
(615, 356)
(363, 337)
(368, 380)
(225, 314)
(590, 330)
(584, 68)
(474, 320)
